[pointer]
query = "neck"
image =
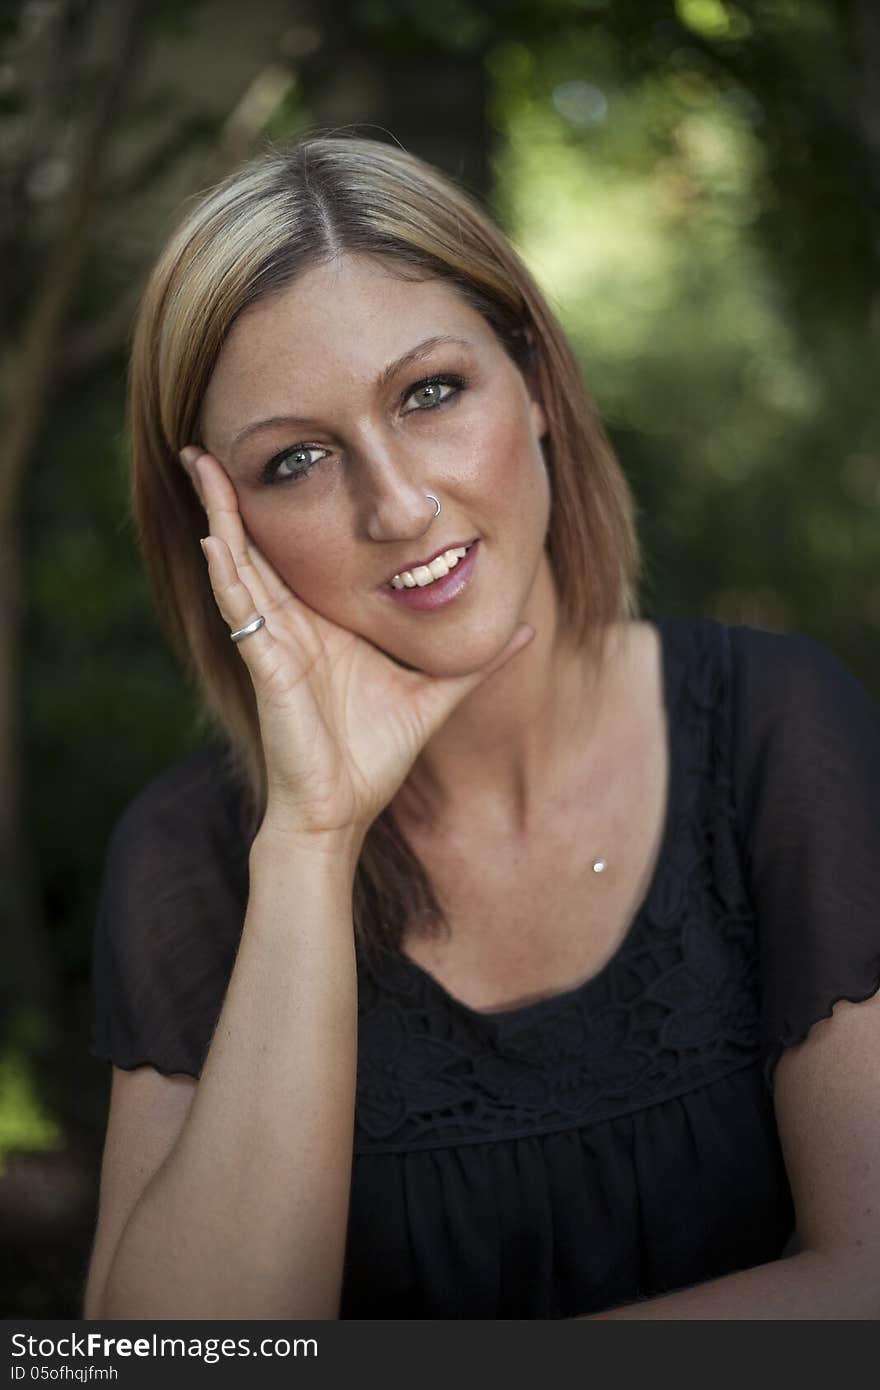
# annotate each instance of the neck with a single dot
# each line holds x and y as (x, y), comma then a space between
(498, 756)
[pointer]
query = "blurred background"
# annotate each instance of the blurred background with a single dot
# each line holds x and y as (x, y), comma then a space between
(695, 184)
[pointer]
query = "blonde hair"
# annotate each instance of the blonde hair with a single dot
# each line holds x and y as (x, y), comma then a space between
(256, 232)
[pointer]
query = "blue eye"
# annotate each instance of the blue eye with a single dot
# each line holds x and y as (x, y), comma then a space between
(300, 459)
(433, 391)
(295, 464)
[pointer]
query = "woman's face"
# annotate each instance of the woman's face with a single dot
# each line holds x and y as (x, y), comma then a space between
(335, 407)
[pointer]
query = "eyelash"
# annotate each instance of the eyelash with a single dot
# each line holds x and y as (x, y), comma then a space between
(269, 474)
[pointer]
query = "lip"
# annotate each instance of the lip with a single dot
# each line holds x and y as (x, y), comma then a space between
(453, 545)
(443, 591)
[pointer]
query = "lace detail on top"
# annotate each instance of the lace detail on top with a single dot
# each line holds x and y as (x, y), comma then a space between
(675, 1008)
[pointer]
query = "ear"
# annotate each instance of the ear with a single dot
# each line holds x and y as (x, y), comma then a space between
(539, 420)
(531, 376)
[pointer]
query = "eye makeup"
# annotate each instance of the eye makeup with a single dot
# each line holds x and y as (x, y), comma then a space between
(269, 474)
(450, 379)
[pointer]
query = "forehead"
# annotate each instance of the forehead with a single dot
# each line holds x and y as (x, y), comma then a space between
(351, 289)
(345, 319)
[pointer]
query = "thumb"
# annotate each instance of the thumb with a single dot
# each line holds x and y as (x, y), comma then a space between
(435, 697)
(519, 640)
(460, 686)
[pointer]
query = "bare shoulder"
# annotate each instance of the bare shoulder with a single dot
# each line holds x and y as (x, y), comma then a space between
(147, 1113)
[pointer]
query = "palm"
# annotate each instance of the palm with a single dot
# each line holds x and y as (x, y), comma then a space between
(361, 719)
(341, 723)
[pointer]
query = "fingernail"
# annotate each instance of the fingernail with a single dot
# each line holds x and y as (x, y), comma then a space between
(204, 548)
(188, 455)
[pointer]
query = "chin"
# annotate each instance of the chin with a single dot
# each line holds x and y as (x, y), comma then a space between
(455, 654)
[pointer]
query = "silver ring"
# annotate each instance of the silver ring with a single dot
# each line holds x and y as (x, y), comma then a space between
(246, 631)
(434, 499)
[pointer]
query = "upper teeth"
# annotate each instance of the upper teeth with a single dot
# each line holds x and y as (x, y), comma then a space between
(426, 574)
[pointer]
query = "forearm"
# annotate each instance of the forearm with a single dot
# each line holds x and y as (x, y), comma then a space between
(247, 1216)
(809, 1285)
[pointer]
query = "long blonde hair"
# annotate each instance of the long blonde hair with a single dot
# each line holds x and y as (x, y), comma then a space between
(255, 233)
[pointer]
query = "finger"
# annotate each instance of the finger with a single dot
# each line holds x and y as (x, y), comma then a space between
(220, 502)
(440, 695)
(521, 638)
(188, 456)
(235, 601)
(275, 589)
(218, 497)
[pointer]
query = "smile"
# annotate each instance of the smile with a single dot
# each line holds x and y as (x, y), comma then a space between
(423, 575)
(433, 586)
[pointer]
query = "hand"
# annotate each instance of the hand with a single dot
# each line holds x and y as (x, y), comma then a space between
(341, 723)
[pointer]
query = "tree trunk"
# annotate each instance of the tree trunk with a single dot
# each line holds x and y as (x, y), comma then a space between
(29, 979)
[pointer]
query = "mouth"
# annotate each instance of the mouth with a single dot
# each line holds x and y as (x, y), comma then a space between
(426, 594)
(418, 573)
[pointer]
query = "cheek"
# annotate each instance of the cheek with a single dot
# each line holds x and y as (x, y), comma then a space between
(287, 540)
(513, 468)
(501, 452)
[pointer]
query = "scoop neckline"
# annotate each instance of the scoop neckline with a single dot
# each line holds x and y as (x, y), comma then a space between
(552, 1002)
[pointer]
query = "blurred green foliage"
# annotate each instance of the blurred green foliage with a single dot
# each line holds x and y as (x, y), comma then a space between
(749, 427)
(24, 1123)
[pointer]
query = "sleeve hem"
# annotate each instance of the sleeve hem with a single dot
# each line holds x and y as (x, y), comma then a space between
(793, 1036)
(132, 1064)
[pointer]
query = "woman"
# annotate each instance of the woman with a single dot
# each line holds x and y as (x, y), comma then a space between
(491, 969)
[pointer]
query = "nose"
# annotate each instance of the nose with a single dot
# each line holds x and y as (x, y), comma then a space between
(394, 499)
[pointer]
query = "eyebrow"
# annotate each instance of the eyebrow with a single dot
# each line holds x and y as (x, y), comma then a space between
(415, 354)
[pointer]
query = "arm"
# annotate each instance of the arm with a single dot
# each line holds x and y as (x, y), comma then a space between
(827, 1093)
(247, 1216)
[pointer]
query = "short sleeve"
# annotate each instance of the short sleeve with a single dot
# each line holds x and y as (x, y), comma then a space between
(169, 919)
(806, 758)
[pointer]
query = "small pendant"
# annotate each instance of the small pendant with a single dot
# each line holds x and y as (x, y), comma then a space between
(598, 866)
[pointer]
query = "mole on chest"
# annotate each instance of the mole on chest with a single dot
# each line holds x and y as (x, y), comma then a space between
(518, 933)
(528, 914)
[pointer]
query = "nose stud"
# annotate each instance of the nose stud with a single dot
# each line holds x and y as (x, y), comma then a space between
(434, 499)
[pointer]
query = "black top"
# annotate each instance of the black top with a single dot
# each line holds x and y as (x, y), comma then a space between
(615, 1141)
